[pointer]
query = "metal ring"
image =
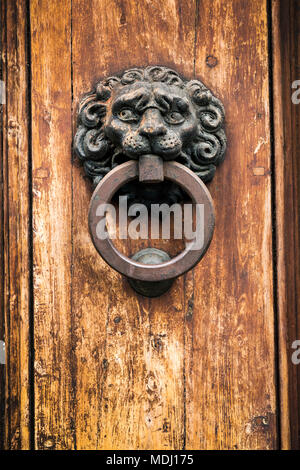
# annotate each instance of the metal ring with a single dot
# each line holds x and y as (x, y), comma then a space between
(178, 265)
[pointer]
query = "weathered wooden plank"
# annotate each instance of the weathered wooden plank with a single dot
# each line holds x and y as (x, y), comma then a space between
(52, 222)
(114, 370)
(15, 224)
(285, 38)
(129, 350)
(2, 315)
(231, 399)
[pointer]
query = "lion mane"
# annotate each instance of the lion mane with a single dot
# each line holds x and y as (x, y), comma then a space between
(99, 155)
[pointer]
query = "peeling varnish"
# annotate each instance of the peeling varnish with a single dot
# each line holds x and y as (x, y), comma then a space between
(261, 142)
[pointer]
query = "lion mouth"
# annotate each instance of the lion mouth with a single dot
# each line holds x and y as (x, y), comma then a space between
(167, 148)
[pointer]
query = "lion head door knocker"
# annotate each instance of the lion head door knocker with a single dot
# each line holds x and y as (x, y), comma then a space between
(153, 137)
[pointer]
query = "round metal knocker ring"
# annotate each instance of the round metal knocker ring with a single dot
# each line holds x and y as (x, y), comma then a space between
(176, 266)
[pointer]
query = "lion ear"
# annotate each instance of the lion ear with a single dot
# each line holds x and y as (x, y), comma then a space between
(200, 95)
(103, 92)
(104, 88)
(91, 112)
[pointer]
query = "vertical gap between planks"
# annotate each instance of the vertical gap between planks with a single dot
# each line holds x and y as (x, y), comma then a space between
(30, 232)
(73, 337)
(273, 210)
(290, 120)
(7, 413)
(2, 326)
(293, 17)
(196, 30)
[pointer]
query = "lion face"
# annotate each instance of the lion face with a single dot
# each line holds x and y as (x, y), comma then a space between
(151, 118)
(151, 110)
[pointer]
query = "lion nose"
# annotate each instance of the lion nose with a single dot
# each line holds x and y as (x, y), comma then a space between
(153, 130)
(152, 125)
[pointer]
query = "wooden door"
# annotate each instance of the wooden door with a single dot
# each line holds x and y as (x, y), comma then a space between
(89, 363)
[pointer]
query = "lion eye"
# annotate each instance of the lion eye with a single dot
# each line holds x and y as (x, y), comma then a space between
(174, 118)
(127, 115)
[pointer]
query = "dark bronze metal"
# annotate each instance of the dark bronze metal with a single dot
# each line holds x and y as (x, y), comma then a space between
(177, 266)
(151, 110)
(156, 288)
(151, 169)
(150, 134)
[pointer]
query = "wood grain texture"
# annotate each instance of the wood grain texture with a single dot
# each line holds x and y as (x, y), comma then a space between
(286, 53)
(231, 396)
(225, 358)
(16, 261)
(52, 221)
(195, 368)
(2, 314)
(129, 350)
